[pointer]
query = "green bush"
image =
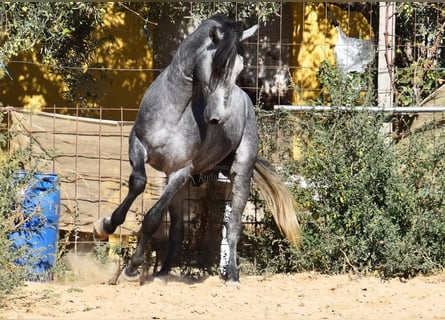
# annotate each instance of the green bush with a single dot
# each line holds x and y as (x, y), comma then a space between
(372, 205)
(12, 273)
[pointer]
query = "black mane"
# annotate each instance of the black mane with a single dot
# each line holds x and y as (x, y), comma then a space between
(226, 49)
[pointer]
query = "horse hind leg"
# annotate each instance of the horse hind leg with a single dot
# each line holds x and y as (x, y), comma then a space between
(176, 233)
(137, 181)
(153, 219)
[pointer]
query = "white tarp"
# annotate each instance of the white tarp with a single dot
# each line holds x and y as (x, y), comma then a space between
(90, 157)
(353, 54)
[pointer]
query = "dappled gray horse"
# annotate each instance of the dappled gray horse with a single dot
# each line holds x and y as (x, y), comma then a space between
(194, 120)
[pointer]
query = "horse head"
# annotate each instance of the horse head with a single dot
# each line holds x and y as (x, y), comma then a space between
(219, 66)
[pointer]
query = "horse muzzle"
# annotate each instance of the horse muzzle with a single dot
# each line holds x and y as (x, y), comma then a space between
(214, 121)
(214, 118)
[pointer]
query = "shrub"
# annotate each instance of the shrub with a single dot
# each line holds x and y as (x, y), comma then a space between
(12, 273)
(372, 206)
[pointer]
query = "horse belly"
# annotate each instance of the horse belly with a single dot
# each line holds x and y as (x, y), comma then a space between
(210, 157)
(173, 149)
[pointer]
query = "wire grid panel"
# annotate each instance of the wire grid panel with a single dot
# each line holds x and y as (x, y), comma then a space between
(91, 158)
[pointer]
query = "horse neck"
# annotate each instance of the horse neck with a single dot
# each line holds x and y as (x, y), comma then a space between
(192, 47)
(180, 73)
(181, 69)
(180, 85)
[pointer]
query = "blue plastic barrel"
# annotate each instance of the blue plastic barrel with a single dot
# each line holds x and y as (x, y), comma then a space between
(38, 231)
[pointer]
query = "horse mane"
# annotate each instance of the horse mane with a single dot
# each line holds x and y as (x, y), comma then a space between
(227, 49)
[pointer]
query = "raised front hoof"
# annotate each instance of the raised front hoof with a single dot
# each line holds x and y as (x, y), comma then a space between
(98, 229)
(130, 275)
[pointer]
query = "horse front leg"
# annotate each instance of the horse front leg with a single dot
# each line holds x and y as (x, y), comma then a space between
(240, 194)
(153, 219)
(137, 181)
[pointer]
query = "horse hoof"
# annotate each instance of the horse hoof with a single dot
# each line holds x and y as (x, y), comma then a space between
(232, 283)
(161, 279)
(130, 276)
(98, 229)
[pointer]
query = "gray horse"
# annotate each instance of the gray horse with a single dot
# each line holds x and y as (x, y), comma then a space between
(194, 120)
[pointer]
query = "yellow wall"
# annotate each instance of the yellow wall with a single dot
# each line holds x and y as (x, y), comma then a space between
(33, 86)
(313, 41)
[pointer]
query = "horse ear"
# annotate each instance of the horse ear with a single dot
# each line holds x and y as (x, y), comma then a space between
(249, 32)
(215, 34)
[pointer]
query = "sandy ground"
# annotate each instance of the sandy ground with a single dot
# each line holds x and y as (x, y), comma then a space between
(296, 296)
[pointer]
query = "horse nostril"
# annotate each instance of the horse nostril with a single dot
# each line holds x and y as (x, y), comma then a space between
(214, 121)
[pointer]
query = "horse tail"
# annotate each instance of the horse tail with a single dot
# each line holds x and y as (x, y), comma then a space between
(279, 200)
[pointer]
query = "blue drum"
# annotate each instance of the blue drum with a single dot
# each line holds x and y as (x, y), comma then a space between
(37, 231)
